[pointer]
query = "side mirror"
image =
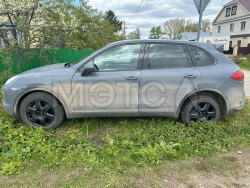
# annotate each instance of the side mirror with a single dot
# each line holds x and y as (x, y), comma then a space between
(88, 69)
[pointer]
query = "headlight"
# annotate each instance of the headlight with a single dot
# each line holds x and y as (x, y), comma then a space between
(11, 80)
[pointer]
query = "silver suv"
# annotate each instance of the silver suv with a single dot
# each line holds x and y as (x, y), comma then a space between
(193, 81)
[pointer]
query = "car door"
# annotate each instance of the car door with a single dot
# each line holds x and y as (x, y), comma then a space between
(168, 76)
(113, 88)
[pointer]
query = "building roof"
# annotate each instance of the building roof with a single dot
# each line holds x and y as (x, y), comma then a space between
(244, 3)
(192, 36)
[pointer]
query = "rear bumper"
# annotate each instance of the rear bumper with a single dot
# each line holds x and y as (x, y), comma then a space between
(237, 108)
(233, 110)
(234, 95)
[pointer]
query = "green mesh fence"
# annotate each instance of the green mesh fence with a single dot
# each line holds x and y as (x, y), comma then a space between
(20, 61)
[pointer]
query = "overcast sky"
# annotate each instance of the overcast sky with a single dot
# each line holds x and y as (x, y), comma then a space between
(155, 12)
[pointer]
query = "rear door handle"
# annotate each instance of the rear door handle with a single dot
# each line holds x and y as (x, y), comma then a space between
(132, 78)
(190, 76)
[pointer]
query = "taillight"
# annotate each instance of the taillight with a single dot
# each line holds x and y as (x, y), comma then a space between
(239, 76)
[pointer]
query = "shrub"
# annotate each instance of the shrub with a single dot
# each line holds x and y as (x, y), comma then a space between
(5, 76)
(248, 57)
(238, 59)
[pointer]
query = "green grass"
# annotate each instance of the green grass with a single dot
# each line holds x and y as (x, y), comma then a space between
(107, 149)
(245, 64)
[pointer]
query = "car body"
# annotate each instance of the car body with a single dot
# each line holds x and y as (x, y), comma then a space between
(134, 78)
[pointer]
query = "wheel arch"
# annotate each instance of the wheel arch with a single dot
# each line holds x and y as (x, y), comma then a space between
(215, 94)
(30, 91)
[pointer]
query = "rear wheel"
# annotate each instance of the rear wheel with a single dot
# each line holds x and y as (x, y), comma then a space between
(41, 110)
(202, 108)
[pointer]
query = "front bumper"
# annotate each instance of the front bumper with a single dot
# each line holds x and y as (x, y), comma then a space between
(9, 96)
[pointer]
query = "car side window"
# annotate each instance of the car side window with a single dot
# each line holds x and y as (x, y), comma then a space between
(201, 57)
(119, 58)
(167, 56)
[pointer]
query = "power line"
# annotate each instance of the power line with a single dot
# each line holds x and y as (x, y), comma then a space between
(136, 12)
(140, 6)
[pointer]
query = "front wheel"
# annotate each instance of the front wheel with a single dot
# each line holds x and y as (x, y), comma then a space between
(41, 110)
(203, 108)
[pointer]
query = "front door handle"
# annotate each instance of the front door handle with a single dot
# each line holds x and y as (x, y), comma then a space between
(132, 78)
(190, 76)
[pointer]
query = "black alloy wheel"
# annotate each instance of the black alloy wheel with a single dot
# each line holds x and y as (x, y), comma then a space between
(202, 112)
(40, 113)
(200, 108)
(41, 109)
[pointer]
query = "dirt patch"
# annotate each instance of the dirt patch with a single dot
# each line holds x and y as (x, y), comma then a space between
(97, 138)
(223, 170)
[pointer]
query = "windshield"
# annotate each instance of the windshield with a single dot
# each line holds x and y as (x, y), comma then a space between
(70, 64)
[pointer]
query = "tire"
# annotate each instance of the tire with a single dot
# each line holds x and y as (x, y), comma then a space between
(41, 109)
(201, 108)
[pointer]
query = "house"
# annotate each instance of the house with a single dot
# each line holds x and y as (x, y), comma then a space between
(234, 21)
(192, 36)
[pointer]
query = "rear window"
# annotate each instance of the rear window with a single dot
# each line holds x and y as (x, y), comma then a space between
(201, 57)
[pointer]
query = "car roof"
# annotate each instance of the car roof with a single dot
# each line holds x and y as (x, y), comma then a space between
(162, 41)
(149, 40)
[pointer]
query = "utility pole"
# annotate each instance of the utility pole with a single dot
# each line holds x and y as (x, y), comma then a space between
(200, 22)
(124, 30)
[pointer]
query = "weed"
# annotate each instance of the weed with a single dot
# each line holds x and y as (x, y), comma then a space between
(116, 144)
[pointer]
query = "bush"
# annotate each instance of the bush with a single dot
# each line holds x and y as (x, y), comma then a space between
(5, 76)
(245, 65)
(238, 59)
(248, 57)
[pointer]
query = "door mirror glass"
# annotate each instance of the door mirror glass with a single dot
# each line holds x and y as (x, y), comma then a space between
(88, 68)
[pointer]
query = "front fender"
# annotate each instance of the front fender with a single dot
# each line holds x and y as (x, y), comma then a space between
(67, 105)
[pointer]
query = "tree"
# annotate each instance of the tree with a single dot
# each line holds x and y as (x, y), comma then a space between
(112, 18)
(174, 27)
(206, 25)
(134, 34)
(56, 24)
(82, 27)
(193, 26)
(156, 33)
(20, 15)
